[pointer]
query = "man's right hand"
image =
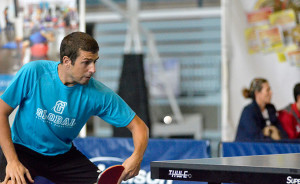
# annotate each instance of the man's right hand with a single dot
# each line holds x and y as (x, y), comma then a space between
(16, 172)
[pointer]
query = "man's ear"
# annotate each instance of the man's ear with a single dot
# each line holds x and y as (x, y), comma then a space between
(66, 61)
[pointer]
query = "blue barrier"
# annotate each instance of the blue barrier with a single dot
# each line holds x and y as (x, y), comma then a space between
(105, 152)
(230, 149)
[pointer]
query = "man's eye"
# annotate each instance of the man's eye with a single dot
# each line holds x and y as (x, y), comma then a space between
(86, 62)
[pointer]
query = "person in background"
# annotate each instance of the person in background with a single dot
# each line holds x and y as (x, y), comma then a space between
(258, 121)
(38, 43)
(9, 27)
(290, 116)
(8, 23)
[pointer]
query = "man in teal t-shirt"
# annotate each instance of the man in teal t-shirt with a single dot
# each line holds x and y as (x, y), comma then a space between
(55, 100)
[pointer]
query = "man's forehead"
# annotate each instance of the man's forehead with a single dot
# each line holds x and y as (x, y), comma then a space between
(88, 55)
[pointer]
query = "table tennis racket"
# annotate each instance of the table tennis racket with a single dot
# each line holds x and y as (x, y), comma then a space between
(111, 175)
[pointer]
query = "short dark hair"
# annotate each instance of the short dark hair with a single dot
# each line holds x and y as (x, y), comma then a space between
(71, 44)
(296, 91)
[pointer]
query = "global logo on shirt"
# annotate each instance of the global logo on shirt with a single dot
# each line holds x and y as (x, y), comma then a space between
(59, 107)
(55, 119)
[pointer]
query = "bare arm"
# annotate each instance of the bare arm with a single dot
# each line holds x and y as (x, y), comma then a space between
(14, 169)
(140, 135)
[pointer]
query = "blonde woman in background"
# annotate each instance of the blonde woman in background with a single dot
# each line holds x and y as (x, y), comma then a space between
(259, 121)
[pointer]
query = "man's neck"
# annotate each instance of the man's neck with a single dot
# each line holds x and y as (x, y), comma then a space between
(62, 74)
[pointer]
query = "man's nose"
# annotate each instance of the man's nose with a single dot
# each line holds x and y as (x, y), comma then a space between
(92, 68)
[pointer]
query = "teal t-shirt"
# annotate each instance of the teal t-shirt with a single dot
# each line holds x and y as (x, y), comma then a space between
(51, 115)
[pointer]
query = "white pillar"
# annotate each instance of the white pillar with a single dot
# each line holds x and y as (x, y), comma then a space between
(83, 131)
(133, 32)
(225, 120)
(82, 15)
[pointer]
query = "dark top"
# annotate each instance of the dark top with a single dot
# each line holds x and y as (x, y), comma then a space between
(252, 123)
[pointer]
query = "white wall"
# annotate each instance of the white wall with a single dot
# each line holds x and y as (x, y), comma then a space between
(244, 67)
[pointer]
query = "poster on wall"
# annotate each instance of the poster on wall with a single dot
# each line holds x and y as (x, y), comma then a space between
(281, 36)
(294, 58)
(270, 39)
(259, 17)
(252, 40)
